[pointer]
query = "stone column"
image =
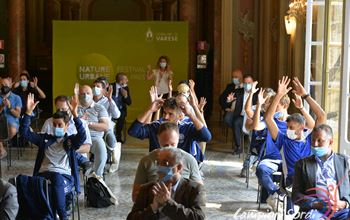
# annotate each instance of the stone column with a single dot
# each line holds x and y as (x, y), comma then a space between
(16, 36)
(188, 12)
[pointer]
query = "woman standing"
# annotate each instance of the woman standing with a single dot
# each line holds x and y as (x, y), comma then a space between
(162, 75)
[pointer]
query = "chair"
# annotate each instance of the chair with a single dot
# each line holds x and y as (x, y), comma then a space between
(46, 188)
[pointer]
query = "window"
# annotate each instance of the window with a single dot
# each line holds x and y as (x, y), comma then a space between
(326, 73)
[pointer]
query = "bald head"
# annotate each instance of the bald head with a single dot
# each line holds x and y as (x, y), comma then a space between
(237, 73)
(85, 89)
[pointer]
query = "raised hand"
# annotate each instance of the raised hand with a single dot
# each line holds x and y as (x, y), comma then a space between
(202, 103)
(231, 97)
(191, 84)
(156, 105)
(261, 98)
(298, 102)
(254, 89)
(153, 93)
(31, 104)
(109, 93)
(73, 106)
(283, 85)
(298, 87)
(76, 89)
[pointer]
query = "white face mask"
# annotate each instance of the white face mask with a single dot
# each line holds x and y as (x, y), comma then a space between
(291, 134)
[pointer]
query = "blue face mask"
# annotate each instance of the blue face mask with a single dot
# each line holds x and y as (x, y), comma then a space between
(168, 171)
(319, 151)
(235, 81)
(247, 87)
(279, 115)
(59, 132)
(96, 91)
(24, 83)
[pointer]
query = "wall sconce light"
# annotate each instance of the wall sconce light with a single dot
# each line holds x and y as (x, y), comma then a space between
(290, 23)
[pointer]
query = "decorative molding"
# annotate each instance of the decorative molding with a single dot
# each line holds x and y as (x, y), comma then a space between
(246, 27)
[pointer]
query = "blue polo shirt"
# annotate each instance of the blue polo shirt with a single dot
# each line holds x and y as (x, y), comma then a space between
(15, 101)
(272, 151)
(294, 150)
(188, 140)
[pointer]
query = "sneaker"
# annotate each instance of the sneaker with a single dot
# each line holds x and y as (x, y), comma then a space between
(274, 200)
(113, 168)
(243, 172)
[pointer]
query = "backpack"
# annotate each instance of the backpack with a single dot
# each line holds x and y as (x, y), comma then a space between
(97, 194)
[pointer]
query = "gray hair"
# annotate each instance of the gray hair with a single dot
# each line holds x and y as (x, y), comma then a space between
(326, 128)
(296, 117)
(174, 152)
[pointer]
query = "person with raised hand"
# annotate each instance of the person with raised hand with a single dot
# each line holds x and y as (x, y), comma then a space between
(55, 160)
(24, 87)
(296, 142)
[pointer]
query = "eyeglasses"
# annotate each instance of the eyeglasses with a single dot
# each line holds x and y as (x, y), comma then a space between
(163, 163)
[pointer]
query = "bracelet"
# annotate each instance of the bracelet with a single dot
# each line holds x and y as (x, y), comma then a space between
(305, 96)
(301, 108)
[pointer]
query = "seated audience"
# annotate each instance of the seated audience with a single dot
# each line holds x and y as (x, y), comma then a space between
(98, 122)
(10, 106)
(56, 155)
(321, 184)
(8, 201)
(296, 142)
(104, 98)
(190, 132)
(168, 136)
(172, 197)
(237, 99)
(255, 122)
(24, 87)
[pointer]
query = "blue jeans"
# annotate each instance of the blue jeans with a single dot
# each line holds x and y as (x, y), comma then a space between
(264, 174)
(61, 185)
(99, 150)
(110, 138)
(80, 158)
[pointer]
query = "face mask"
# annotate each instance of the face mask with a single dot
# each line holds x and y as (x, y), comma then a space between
(85, 98)
(96, 91)
(162, 65)
(291, 134)
(279, 115)
(5, 90)
(124, 85)
(235, 81)
(24, 83)
(319, 151)
(59, 132)
(168, 171)
(247, 87)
